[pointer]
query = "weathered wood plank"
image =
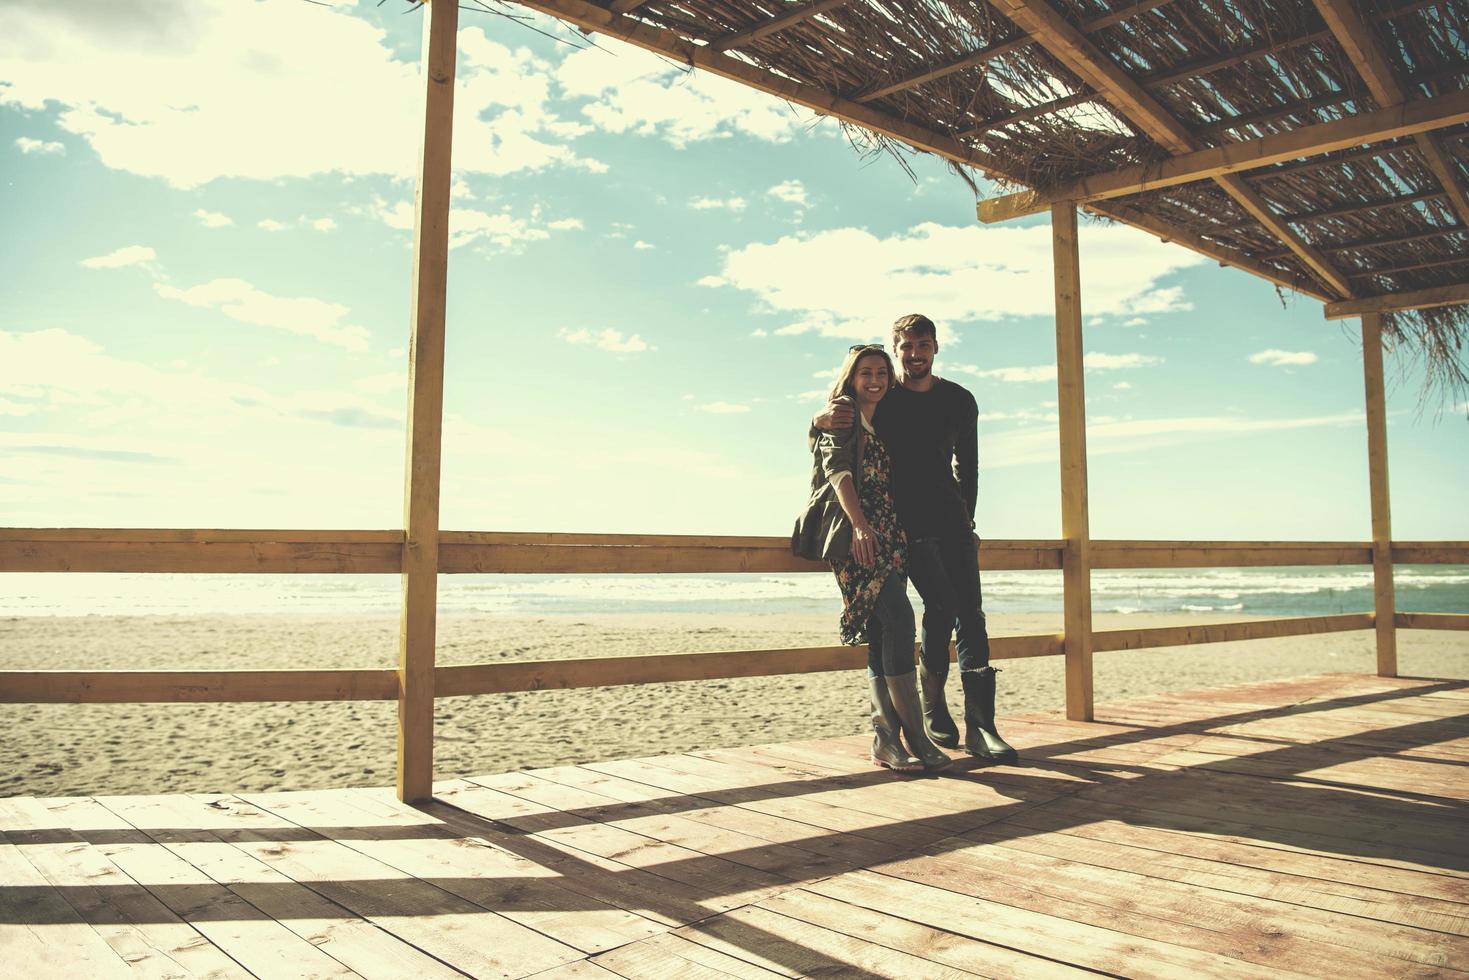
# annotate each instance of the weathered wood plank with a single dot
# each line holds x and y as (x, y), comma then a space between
(474, 868)
(1036, 933)
(180, 686)
(793, 947)
(1071, 399)
(259, 943)
(41, 934)
(674, 956)
(1394, 924)
(144, 933)
(421, 917)
(1167, 636)
(718, 884)
(895, 932)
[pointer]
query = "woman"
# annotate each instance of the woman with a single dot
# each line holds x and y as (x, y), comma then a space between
(850, 522)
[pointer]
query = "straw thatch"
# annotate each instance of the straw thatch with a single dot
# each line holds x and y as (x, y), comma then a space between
(1225, 70)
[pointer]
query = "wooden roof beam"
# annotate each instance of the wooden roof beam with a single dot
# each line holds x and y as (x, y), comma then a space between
(1392, 270)
(672, 45)
(1194, 242)
(774, 25)
(1367, 243)
(1366, 55)
(1072, 48)
(1420, 299)
(993, 51)
(1408, 118)
(620, 7)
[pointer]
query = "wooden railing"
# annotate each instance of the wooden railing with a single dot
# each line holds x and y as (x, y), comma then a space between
(380, 552)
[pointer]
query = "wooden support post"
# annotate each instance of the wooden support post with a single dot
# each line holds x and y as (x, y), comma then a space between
(426, 410)
(1071, 400)
(1382, 559)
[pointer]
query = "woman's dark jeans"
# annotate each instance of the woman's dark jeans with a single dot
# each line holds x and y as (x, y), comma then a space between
(890, 631)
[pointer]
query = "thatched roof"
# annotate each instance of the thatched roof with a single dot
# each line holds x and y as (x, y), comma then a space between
(1040, 94)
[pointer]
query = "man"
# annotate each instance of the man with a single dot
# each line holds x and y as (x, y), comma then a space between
(930, 428)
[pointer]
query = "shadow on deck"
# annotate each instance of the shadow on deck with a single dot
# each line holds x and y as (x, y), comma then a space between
(1312, 826)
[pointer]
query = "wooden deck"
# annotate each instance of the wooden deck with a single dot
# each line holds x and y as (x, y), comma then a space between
(1313, 826)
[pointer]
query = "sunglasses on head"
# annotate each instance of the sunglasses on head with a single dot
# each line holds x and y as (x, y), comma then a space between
(857, 347)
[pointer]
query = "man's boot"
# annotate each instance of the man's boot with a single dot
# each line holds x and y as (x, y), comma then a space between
(903, 689)
(937, 722)
(980, 736)
(887, 750)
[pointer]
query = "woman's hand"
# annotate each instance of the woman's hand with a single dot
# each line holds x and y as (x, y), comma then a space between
(864, 544)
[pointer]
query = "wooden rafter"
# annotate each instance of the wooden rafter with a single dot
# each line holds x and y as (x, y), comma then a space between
(600, 20)
(774, 24)
(1404, 119)
(621, 7)
(1392, 270)
(993, 51)
(1420, 299)
(1366, 243)
(1074, 50)
(1200, 67)
(1365, 53)
(1223, 254)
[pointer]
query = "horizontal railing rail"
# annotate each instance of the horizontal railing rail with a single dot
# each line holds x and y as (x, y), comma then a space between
(314, 551)
(380, 552)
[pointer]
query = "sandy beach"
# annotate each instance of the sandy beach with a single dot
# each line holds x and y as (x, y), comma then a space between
(58, 750)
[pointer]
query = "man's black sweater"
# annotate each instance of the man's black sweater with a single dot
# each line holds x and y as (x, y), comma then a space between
(933, 440)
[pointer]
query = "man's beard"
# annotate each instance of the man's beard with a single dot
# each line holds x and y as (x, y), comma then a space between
(918, 373)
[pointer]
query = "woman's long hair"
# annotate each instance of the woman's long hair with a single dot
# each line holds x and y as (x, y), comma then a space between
(844, 384)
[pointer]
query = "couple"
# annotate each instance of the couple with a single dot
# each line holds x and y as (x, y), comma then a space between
(894, 482)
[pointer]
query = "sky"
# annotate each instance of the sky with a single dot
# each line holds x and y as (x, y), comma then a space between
(204, 300)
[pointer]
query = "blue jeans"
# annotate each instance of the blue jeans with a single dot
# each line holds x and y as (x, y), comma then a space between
(890, 630)
(946, 574)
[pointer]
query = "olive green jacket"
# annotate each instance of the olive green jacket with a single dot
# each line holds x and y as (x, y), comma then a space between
(823, 531)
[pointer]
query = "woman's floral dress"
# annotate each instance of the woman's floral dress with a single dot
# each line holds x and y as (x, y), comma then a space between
(859, 583)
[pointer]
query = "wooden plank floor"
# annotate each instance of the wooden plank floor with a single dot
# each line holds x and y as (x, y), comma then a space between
(1312, 826)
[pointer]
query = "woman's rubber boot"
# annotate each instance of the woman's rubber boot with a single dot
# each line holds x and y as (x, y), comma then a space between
(980, 736)
(903, 690)
(887, 749)
(937, 721)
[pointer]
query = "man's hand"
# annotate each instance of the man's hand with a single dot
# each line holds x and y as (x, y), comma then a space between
(838, 415)
(864, 545)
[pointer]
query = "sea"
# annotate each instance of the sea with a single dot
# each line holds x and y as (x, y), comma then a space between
(1305, 591)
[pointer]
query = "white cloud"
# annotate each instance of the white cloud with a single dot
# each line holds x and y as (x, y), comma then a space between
(759, 332)
(1095, 361)
(270, 224)
(711, 281)
(614, 341)
(633, 91)
(1136, 321)
(1122, 385)
(837, 282)
(1038, 444)
(213, 219)
(1092, 361)
(716, 203)
(790, 191)
(1283, 358)
(321, 224)
(642, 246)
(126, 256)
(500, 229)
(239, 300)
(28, 145)
(723, 408)
(262, 78)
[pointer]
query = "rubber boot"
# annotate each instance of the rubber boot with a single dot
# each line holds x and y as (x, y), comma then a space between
(937, 722)
(887, 750)
(981, 739)
(904, 692)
